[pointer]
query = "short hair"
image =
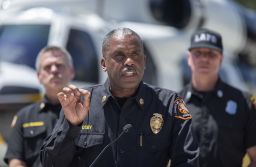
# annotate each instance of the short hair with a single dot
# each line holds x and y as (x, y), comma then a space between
(50, 49)
(117, 32)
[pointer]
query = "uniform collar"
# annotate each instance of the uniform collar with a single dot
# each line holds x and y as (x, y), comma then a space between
(217, 91)
(139, 95)
(46, 105)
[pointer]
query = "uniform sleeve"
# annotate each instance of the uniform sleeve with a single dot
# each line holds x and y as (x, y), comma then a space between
(15, 141)
(184, 151)
(250, 136)
(59, 148)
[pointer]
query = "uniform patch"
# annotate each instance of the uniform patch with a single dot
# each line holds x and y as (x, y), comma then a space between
(182, 112)
(14, 120)
(156, 123)
(231, 107)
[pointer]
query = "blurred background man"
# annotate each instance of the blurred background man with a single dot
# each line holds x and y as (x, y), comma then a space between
(32, 124)
(223, 122)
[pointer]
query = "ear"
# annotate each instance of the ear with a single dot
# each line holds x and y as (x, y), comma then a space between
(39, 77)
(103, 64)
(72, 71)
(145, 62)
(221, 59)
(189, 57)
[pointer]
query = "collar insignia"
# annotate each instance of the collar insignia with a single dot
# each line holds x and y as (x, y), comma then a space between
(141, 101)
(42, 105)
(14, 120)
(104, 99)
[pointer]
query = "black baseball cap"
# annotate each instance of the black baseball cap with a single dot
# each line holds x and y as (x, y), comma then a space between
(205, 38)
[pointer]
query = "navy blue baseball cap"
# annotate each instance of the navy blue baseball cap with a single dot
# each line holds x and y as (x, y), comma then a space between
(204, 38)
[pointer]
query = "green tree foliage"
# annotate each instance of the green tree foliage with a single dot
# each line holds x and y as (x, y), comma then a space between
(248, 3)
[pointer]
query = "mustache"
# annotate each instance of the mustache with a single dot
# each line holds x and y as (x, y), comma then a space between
(53, 76)
(129, 69)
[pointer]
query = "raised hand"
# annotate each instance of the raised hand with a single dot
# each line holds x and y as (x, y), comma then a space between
(75, 103)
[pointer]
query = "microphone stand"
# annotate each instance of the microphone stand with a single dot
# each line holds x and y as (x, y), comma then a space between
(125, 130)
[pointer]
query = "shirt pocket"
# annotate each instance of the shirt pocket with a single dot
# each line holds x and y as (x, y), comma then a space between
(87, 140)
(153, 150)
(153, 143)
(33, 140)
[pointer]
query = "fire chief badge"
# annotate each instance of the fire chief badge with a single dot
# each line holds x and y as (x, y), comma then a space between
(156, 123)
(182, 111)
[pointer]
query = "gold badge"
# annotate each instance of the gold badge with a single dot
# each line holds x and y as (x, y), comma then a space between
(156, 123)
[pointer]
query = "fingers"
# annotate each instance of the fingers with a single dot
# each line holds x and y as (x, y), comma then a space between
(61, 96)
(86, 98)
(71, 90)
(75, 103)
(72, 94)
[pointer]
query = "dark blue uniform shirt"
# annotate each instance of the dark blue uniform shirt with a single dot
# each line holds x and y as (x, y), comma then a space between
(31, 126)
(223, 123)
(149, 109)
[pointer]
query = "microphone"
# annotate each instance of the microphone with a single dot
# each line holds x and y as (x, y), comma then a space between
(124, 130)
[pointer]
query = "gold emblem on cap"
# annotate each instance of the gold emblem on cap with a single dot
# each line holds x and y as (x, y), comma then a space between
(104, 98)
(156, 123)
(141, 101)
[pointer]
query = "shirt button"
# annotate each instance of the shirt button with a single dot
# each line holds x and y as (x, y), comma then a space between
(31, 132)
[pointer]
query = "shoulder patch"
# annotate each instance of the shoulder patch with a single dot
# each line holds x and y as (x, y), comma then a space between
(182, 111)
(14, 120)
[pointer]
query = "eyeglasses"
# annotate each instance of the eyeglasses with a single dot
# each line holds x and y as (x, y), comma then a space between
(208, 54)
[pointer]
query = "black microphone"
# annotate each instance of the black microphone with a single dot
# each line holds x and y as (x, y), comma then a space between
(125, 130)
